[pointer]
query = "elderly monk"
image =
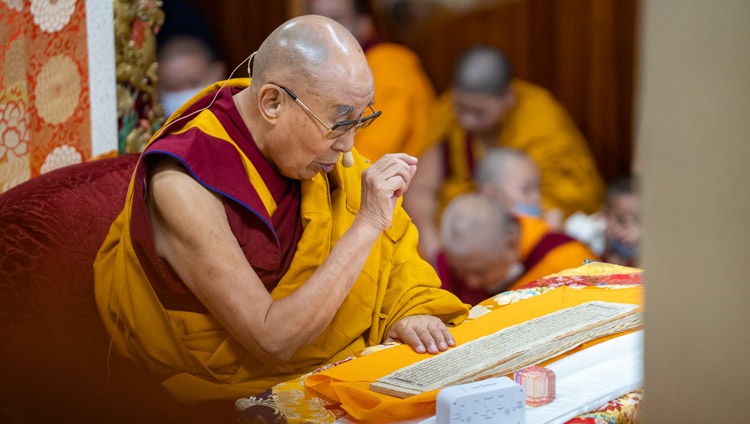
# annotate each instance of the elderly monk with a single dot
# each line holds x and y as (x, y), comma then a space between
(488, 250)
(487, 107)
(402, 89)
(252, 249)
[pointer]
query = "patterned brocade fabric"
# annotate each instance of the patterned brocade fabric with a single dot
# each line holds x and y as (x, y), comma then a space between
(291, 402)
(623, 410)
(44, 98)
(53, 98)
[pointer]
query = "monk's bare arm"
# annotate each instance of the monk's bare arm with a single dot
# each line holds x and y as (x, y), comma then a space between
(192, 234)
(421, 202)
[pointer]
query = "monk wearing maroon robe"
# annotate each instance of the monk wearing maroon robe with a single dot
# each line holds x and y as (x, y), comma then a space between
(488, 250)
(255, 245)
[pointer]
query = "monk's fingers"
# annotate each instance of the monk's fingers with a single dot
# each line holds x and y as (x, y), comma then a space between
(398, 157)
(403, 332)
(435, 336)
(449, 340)
(397, 185)
(412, 172)
(383, 170)
(387, 184)
(382, 184)
(398, 163)
(423, 333)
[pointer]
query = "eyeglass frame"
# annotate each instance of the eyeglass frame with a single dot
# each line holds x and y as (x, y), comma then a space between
(356, 124)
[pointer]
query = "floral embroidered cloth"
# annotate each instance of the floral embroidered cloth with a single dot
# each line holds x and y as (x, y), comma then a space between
(44, 97)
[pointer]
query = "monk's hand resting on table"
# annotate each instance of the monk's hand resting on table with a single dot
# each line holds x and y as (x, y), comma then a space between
(424, 333)
(382, 184)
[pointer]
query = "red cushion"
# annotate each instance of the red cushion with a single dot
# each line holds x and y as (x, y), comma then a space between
(54, 361)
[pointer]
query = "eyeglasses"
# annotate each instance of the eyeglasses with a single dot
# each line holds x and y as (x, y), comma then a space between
(340, 128)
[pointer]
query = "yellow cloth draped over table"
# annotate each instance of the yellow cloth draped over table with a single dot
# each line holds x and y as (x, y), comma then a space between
(195, 356)
(349, 382)
(405, 95)
(539, 126)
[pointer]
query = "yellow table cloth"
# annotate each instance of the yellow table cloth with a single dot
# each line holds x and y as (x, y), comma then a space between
(342, 389)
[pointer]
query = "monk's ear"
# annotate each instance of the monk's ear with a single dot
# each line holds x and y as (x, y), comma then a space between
(269, 102)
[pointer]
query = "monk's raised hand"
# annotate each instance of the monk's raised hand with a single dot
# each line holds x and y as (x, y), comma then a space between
(424, 333)
(382, 184)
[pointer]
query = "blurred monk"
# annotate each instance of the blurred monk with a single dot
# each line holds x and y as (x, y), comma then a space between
(487, 250)
(188, 55)
(487, 107)
(402, 89)
(622, 214)
(511, 177)
(254, 246)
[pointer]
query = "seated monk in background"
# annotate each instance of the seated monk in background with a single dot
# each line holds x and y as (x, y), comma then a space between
(487, 250)
(622, 213)
(487, 107)
(403, 91)
(511, 177)
(187, 53)
(250, 250)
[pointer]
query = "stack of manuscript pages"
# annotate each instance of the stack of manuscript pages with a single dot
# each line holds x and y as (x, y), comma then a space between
(511, 348)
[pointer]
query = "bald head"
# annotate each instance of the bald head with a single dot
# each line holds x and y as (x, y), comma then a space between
(482, 70)
(495, 165)
(308, 48)
(308, 75)
(473, 224)
(510, 177)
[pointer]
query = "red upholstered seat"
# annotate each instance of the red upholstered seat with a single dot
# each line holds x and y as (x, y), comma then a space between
(54, 364)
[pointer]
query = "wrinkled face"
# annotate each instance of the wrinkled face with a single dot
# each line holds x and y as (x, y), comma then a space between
(623, 219)
(302, 148)
(478, 113)
(520, 184)
(483, 270)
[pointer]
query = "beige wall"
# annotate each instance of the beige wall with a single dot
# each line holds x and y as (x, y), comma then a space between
(693, 131)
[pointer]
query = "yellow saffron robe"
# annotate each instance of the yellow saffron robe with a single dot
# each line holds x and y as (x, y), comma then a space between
(537, 125)
(405, 95)
(195, 357)
(561, 253)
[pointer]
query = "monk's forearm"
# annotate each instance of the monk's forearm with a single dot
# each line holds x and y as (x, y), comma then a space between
(298, 319)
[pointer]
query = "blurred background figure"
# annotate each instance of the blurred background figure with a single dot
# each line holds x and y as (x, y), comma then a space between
(487, 250)
(588, 229)
(512, 178)
(402, 89)
(622, 214)
(487, 107)
(187, 54)
(614, 233)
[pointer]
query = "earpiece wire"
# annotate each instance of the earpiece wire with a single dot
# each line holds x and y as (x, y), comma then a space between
(249, 61)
